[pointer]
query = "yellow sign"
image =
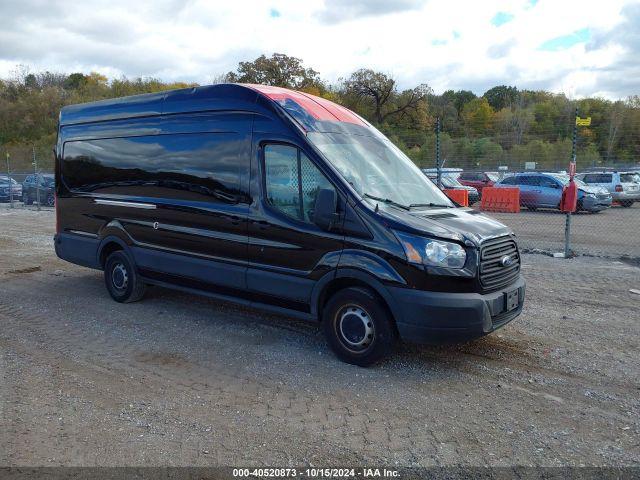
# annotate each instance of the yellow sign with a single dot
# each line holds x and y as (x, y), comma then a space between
(583, 122)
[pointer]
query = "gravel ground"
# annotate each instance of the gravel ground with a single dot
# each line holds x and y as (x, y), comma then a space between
(612, 232)
(178, 379)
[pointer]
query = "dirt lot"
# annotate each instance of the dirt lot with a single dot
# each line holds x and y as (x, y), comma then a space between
(182, 380)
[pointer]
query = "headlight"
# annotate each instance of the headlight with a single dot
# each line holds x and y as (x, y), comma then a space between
(427, 251)
(591, 195)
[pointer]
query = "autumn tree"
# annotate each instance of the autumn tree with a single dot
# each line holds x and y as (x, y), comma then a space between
(478, 116)
(381, 92)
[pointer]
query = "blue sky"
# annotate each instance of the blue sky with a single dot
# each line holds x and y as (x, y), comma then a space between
(586, 47)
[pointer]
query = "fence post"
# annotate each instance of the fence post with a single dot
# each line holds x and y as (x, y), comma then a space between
(10, 185)
(567, 224)
(438, 163)
(37, 180)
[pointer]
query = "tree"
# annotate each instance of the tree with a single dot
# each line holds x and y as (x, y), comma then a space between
(459, 98)
(279, 70)
(478, 115)
(381, 91)
(501, 97)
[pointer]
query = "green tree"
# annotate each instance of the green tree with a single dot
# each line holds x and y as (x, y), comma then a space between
(501, 97)
(279, 70)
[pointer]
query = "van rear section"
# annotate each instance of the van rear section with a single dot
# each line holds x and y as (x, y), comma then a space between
(283, 201)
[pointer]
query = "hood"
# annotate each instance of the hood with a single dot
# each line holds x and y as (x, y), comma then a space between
(594, 190)
(453, 223)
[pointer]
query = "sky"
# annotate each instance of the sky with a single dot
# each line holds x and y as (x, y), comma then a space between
(580, 48)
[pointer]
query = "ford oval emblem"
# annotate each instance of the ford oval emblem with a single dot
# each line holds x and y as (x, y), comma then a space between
(506, 261)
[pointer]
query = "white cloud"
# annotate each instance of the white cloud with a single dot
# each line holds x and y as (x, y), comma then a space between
(447, 44)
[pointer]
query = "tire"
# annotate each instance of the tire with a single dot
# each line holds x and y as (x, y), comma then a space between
(121, 278)
(358, 327)
(51, 200)
(532, 209)
(626, 203)
(26, 200)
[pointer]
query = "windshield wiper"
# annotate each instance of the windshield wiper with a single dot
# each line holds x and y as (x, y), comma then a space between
(431, 204)
(387, 201)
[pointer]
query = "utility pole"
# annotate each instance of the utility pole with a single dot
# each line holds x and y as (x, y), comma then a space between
(37, 180)
(438, 163)
(572, 169)
(10, 185)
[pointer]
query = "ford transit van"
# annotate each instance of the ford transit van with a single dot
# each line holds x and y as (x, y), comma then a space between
(280, 200)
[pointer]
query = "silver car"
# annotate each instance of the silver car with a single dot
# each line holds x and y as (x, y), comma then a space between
(623, 186)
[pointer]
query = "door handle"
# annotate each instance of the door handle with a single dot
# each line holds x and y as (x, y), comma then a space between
(235, 220)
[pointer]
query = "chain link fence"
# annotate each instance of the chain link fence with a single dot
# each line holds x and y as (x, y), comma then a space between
(606, 221)
(26, 181)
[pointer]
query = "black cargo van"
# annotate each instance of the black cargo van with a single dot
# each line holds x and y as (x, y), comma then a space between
(281, 200)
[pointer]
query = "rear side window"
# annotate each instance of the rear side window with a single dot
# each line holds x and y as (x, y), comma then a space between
(196, 167)
(510, 181)
(529, 180)
(597, 178)
(292, 181)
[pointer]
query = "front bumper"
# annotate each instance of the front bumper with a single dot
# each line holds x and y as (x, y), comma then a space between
(438, 317)
(595, 204)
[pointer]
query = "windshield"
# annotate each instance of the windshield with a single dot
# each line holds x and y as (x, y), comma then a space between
(629, 178)
(494, 177)
(5, 180)
(377, 168)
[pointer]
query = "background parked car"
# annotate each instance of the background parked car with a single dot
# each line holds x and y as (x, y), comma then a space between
(623, 186)
(7, 186)
(544, 190)
(450, 182)
(478, 180)
(41, 186)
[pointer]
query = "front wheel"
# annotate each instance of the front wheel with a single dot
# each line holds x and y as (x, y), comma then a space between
(626, 203)
(26, 200)
(122, 281)
(51, 200)
(358, 327)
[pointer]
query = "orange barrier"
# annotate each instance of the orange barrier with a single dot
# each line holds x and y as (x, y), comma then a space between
(461, 197)
(500, 200)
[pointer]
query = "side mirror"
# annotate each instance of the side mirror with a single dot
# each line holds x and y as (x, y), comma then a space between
(324, 210)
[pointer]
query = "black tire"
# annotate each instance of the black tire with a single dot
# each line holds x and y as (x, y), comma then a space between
(26, 200)
(626, 203)
(121, 278)
(358, 327)
(531, 209)
(51, 200)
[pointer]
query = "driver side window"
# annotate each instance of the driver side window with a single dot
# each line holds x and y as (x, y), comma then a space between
(292, 181)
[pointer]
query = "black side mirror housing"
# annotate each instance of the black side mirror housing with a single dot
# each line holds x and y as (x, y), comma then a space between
(324, 211)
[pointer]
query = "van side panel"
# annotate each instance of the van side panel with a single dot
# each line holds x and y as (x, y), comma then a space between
(182, 189)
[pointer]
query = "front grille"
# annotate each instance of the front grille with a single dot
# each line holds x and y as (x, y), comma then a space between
(493, 274)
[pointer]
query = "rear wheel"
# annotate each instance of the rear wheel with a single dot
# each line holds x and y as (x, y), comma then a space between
(626, 203)
(121, 279)
(51, 200)
(26, 199)
(358, 327)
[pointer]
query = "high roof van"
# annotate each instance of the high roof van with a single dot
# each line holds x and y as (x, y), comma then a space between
(280, 200)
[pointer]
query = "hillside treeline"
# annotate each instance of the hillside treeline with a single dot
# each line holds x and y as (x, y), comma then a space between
(504, 126)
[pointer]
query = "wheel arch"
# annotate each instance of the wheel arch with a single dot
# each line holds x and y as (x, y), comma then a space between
(347, 277)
